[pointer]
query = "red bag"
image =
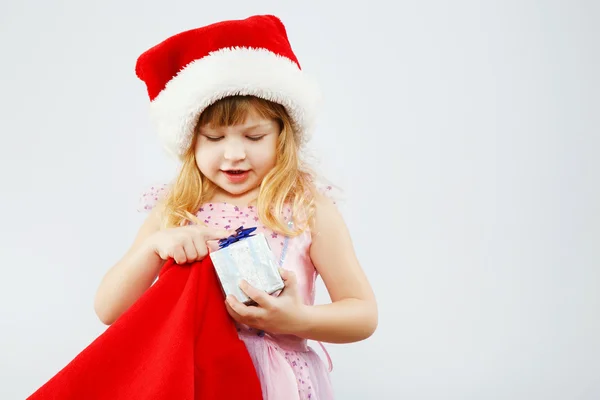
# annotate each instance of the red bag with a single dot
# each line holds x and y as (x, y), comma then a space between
(177, 342)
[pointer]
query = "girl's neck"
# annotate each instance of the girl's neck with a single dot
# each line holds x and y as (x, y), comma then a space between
(243, 200)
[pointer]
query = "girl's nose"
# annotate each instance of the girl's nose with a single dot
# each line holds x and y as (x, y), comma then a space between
(234, 151)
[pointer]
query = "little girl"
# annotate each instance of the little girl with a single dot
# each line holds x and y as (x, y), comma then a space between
(231, 103)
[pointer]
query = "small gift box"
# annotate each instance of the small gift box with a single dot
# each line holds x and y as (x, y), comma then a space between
(246, 256)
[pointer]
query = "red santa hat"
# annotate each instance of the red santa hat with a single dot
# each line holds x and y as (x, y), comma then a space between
(188, 72)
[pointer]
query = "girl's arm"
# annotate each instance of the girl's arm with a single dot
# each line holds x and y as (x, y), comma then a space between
(127, 280)
(352, 315)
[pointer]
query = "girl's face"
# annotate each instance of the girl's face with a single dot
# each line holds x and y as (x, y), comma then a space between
(236, 158)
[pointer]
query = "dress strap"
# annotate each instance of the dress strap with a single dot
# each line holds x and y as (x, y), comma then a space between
(328, 357)
(286, 242)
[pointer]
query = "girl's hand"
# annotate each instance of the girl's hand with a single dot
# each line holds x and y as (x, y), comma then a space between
(185, 244)
(283, 314)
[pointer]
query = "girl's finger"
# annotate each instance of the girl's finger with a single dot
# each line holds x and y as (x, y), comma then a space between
(179, 255)
(190, 250)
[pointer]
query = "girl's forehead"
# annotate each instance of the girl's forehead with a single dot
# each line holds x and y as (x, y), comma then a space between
(252, 122)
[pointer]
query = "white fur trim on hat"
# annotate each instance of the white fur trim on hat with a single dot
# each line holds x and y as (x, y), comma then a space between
(228, 72)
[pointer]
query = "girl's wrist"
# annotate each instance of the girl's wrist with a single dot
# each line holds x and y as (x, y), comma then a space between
(148, 251)
(149, 245)
(303, 322)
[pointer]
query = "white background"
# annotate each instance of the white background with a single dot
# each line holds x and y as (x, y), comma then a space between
(464, 135)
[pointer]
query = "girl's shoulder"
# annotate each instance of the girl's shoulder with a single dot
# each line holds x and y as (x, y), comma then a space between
(325, 190)
(151, 196)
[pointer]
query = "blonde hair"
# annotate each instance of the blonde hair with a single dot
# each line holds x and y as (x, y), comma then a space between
(288, 183)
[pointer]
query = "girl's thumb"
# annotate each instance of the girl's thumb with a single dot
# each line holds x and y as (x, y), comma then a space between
(289, 278)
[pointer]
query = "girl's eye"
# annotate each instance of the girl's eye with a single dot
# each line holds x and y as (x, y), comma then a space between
(213, 138)
(256, 138)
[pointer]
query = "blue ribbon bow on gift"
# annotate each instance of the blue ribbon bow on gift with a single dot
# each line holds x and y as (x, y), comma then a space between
(240, 233)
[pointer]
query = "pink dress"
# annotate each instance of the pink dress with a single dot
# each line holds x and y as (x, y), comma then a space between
(287, 367)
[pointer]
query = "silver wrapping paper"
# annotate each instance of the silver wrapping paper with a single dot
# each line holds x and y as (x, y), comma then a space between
(250, 259)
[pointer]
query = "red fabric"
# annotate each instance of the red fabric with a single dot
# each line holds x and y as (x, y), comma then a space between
(176, 342)
(158, 65)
